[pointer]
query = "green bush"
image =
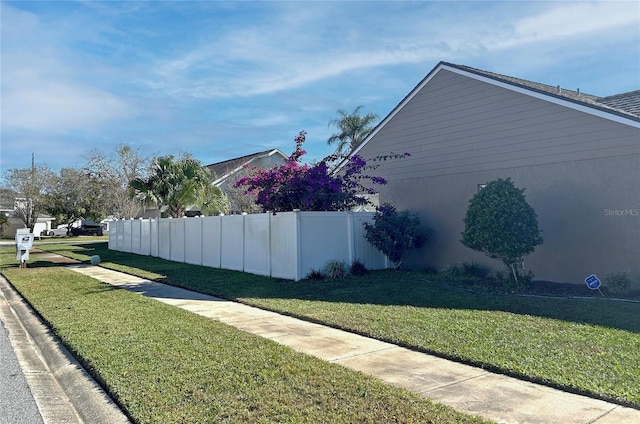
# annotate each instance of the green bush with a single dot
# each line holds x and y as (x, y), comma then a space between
(335, 269)
(358, 268)
(453, 270)
(395, 233)
(618, 281)
(315, 275)
(500, 223)
(475, 269)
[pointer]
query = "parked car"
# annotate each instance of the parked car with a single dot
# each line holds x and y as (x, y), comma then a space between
(87, 230)
(55, 232)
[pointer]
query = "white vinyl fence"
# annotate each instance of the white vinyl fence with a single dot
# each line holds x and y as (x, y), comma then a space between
(285, 245)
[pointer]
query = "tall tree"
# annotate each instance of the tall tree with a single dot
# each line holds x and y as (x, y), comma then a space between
(76, 195)
(172, 183)
(115, 173)
(213, 201)
(353, 128)
(4, 220)
(30, 185)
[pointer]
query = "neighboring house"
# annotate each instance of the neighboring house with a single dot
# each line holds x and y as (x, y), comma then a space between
(577, 155)
(8, 203)
(226, 173)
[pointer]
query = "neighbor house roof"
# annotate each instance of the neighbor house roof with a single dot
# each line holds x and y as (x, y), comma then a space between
(222, 170)
(624, 107)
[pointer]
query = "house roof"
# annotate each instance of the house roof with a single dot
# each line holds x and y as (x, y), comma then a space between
(222, 170)
(7, 200)
(629, 102)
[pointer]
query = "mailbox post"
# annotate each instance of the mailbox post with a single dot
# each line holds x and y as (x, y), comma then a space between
(24, 242)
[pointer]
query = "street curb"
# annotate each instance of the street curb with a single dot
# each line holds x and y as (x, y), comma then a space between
(63, 390)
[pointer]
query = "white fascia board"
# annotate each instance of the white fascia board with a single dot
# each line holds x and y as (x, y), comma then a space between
(277, 151)
(228, 174)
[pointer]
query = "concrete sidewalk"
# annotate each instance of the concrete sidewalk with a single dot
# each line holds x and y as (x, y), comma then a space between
(465, 388)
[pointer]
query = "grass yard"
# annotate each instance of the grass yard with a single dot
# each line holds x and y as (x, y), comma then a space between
(166, 365)
(589, 346)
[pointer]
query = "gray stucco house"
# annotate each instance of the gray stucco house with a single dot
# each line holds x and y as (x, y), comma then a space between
(577, 155)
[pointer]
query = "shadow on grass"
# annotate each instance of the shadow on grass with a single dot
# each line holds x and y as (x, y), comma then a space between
(379, 288)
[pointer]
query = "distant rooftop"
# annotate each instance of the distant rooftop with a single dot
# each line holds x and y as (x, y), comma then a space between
(221, 169)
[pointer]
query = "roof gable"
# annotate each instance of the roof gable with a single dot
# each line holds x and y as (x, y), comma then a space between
(222, 170)
(622, 108)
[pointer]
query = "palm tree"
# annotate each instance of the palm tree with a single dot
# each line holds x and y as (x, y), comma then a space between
(175, 184)
(353, 130)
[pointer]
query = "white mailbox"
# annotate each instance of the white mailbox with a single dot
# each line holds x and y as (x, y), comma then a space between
(24, 242)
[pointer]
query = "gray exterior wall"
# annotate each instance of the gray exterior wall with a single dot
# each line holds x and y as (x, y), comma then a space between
(581, 174)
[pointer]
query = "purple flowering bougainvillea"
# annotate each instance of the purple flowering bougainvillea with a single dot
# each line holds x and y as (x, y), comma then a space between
(311, 188)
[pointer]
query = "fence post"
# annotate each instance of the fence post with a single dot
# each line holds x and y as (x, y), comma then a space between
(184, 239)
(269, 252)
(220, 241)
(201, 240)
(350, 237)
(296, 213)
(169, 235)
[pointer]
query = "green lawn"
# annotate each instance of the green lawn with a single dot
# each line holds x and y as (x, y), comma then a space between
(166, 365)
(589, 346)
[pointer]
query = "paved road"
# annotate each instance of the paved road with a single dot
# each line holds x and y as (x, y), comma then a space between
(17, 405)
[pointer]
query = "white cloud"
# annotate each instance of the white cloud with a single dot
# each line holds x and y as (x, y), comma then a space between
(58, 106)
(567, 20)
(44, 91)
(296, 48)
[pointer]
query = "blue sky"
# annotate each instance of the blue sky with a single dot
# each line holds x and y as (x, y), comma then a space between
(224, 79)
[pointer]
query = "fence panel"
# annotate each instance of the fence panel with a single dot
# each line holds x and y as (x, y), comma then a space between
(364, 251)
(113, 235)
(164, 238)
(136, 236)
(211, 238)
(284, 246)
(154, 234)
(145, 237)
(127, 236)
(177, 239)
(232, 240)
(193, 241)
(256, 244)
(323, 237)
